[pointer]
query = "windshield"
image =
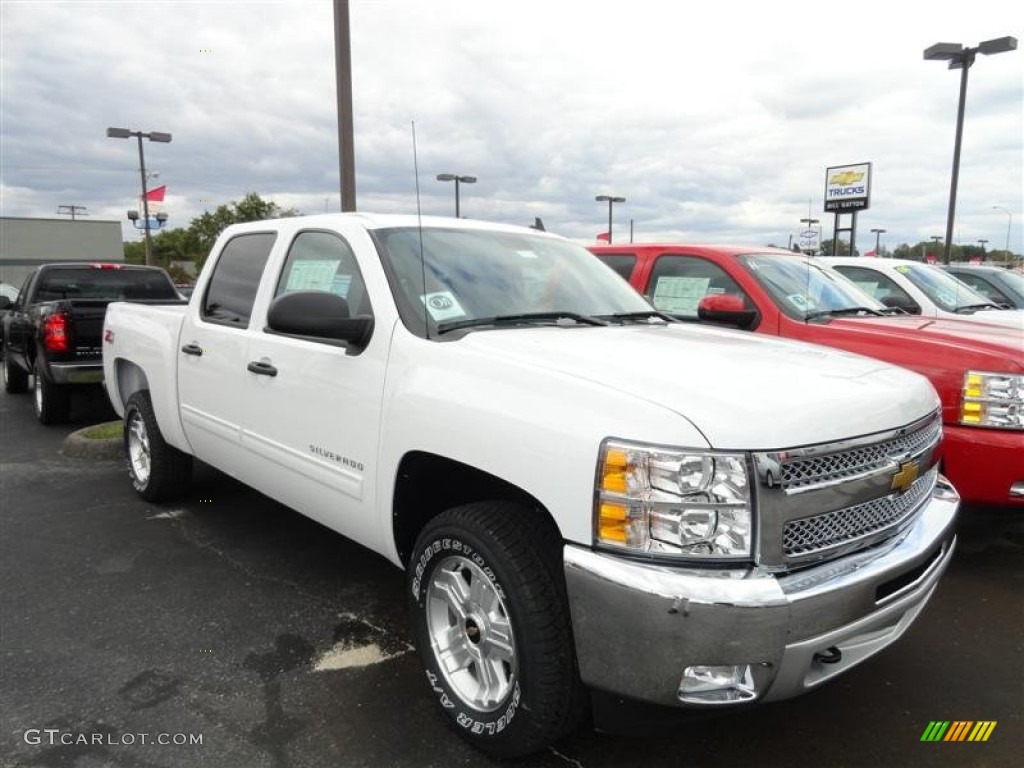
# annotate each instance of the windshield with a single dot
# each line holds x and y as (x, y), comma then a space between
(803, 289)
(941, 287)
(476, 275)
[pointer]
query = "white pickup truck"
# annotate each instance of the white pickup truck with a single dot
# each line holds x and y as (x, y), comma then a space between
(586, 495)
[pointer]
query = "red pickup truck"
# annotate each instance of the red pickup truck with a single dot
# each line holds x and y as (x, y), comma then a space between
(977, 369)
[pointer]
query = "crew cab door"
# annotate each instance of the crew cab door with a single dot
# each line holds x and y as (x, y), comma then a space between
(212, 352)
(17, 329)
(312, 408)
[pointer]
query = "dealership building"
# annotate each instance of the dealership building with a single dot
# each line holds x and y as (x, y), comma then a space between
(27, 243)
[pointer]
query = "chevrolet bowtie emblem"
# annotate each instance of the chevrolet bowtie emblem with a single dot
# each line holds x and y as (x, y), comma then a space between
(905, 476)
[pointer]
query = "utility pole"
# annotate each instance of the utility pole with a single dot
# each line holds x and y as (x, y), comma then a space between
(343, 78)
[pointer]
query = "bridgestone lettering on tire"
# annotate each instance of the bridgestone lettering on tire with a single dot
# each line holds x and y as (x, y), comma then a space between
(492, 627)
(15, 379)
(158, 471)
(52, 402)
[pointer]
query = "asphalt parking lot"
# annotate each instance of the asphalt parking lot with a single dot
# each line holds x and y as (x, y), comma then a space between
(228, 617)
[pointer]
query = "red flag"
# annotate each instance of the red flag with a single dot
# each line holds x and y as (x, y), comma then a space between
(604, 237)
(156, 195)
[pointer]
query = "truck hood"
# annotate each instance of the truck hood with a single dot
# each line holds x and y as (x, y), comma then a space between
(1005, 345)
(1008, 318)
(741, 391)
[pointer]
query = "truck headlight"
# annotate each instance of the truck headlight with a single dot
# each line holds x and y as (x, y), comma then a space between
(993, 400)
(668, 501)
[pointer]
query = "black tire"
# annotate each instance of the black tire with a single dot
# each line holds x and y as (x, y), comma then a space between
(158, 471)
(15, 379)
(52, 402)
(511, 596)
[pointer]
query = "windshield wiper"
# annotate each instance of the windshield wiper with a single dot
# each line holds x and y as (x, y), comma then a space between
(651, 314)
(843, 311)
(526, 318)
(970, 308)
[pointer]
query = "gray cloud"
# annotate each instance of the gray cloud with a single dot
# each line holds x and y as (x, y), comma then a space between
(714, 128)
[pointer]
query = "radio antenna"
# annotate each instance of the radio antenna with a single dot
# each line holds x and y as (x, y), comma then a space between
(419, 224)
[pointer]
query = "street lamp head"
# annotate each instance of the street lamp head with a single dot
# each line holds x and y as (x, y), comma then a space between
(446, 177)
(161, 218)
(467, 179)
(118, 133)
(609, 199)
(163, 138)
(880, 231)
(941, 51)
(133, 215)
(998, 45)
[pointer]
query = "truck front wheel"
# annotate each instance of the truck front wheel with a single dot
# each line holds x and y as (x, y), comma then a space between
(52, 401)
(158, 471)
(492, 627)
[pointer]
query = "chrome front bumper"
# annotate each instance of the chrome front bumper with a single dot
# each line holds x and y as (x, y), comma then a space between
(638, 626)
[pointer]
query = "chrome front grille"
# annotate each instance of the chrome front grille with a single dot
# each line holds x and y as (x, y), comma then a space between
(822, 501)
(809, 535)
(829, 468)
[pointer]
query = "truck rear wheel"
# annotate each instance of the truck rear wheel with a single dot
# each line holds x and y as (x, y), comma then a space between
(158, 471)
(492, 627)
(15, 379)
(52, 402)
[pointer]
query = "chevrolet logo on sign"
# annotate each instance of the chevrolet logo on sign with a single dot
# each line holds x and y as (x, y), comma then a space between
(846, 178)
(905, 476)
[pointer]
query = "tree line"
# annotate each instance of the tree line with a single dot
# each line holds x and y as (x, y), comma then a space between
(193, 243)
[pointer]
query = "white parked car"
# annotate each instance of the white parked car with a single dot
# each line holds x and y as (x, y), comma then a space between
(922, 289)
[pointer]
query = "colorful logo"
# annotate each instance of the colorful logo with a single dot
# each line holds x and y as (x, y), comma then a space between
(958, 730)
(905, 476)
(846, 178)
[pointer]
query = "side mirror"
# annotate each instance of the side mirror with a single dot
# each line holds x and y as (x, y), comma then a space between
(727, 309)
(905, 303)
(319, 316)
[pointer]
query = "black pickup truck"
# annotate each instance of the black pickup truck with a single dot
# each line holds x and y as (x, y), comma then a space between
(52, 331)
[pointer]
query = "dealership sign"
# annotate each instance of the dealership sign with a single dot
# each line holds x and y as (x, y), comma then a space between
(848, 188)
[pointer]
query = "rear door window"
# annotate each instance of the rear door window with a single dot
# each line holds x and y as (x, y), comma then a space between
(236, 278)
(622, 263)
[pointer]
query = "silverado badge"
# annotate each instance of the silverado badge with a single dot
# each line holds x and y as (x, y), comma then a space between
(905, 476)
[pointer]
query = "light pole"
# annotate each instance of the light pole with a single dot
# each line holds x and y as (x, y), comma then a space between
(878, 237)
(962, 58)
(163, 138)
(611, 200)
(458, 180)
(1009, 223)
(981, 242)
(809, 222)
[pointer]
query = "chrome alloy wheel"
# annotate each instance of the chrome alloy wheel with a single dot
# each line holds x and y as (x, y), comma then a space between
(37, 395)
(471, 634)
(138, 447)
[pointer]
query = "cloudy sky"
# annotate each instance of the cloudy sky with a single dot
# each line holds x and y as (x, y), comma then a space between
(716, 121)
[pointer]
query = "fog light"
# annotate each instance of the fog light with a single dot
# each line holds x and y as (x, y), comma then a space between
(717, 685)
